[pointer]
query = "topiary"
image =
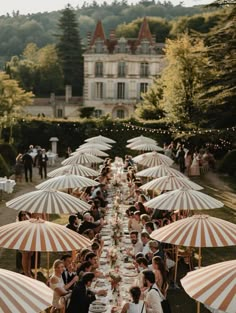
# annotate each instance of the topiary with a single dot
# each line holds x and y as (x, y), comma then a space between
(4, 168)
(8, 152)
(228, 163)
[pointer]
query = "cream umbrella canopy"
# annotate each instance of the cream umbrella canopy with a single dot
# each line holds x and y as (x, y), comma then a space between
(213, 285)
(74, 169)
(39, 235)
(147, 147)
(140, 142)
(159, 171)
(184, 199)
(21, 294)
(197, 231)
(170, 183)
(100, 139)
(93, 145)
(48, 201)
(92, 151)
(82, 158)
(151, 159)
(141, 138)
(67, 181)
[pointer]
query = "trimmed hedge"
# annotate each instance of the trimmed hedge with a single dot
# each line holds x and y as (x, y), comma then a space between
(228, 163)
(4, 168)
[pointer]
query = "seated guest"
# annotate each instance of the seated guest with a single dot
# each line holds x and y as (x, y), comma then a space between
(88, 224)
(145, 219)
(149, 227)
(94, 210)
(57, 284)
(85, 267)
(141, 264)
(73, 222)
(160, 272)
(152, 296)
(155, 250)
(136, 305)
(145, 238)
(82, 296)
(99, 196)
(89, 233)
(134, 222)
(68, 273)
(136, 244)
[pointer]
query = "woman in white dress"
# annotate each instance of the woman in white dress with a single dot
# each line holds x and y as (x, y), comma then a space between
(57, 285)
(137, 305)
(195, 167)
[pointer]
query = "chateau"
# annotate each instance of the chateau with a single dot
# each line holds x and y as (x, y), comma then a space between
(118, 70)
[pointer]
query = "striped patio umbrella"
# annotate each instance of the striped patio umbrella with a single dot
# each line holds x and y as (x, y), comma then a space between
(48, 201)
(213, 285)
(100, 139)
(184, 199)
(91, 150)
(170, 183)
(141, 138)
(82, 158)
(21, 294)
(151, 159)
(159, 171)
(39, 235)
(74, 169)
(93, 145)
(67, 181)
(147, 147)
(198, 231)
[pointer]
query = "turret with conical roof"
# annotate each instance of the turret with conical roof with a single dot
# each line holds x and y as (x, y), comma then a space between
(144, 32)
(98, 33)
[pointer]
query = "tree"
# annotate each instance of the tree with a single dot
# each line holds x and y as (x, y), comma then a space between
(150, 108)
(69, 50)
(12, 97)
(183, 78)
(219, 93)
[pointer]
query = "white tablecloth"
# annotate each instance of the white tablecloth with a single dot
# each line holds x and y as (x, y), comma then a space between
(7, 185)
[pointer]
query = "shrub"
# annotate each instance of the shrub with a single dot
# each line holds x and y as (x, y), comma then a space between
(228, 163)
(8, 153)
(4, 168)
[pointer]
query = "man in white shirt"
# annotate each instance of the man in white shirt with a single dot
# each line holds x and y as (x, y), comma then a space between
(152, 295)
(136, 244)
(145, 238)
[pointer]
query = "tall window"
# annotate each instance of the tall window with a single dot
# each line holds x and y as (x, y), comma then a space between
(98, 113)
(120, 90)
(120, 114)
(144, 70)
(59, 113)
(98, 69)
(121, 69)
(143, 88)
(99, 90)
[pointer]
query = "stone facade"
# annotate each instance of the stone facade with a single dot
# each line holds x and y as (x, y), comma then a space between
(117, 71)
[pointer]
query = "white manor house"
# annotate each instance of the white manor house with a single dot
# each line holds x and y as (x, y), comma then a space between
(116, 72)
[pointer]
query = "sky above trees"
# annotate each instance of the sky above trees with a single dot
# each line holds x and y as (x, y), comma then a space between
(29, 6)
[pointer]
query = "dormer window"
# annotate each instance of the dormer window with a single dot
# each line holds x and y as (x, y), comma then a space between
(145, 47)
(99, 46)
(122, 45)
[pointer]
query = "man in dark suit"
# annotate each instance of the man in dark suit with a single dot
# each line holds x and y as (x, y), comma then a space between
(82, 297)
(28, 164)
(41, 160)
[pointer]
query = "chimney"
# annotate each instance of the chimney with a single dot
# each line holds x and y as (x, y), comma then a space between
(88, 38)
(112, 34)
(154, 38)
(52, 98)
(68, 93)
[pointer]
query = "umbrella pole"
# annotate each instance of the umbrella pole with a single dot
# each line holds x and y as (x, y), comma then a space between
(35, 264)
(199, 266)
(48, 263)
(199, 257)
(176, 262)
